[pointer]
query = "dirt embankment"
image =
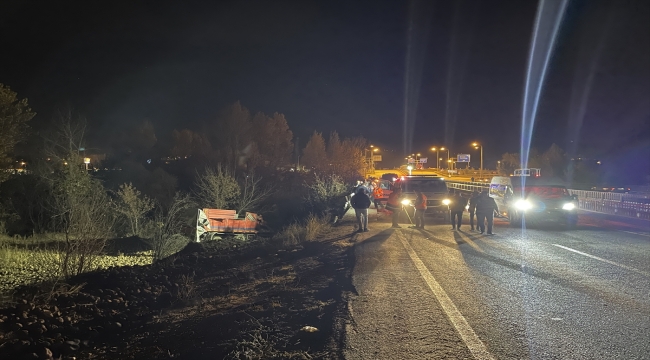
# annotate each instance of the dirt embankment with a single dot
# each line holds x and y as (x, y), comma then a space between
(255, 302)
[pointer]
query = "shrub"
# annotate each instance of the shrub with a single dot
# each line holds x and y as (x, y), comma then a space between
(309, 230)
(133, 206)
(163, 233)
(217, 188)
(327, 194)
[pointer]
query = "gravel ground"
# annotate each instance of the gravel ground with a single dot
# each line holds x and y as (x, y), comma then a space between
(256, 302)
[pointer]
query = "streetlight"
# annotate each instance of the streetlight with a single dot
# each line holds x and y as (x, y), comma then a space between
(370, 161)
(437, 155)
(437, 150)
(477, 146)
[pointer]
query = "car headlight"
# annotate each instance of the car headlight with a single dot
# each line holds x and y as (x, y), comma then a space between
(406, 202)
(446, 202)
(522, 204)
(568, 206)
(466, 207)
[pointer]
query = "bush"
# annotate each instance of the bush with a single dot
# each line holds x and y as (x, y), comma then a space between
(217, 188)
(327, 195)
(164, 232)
(309, 230)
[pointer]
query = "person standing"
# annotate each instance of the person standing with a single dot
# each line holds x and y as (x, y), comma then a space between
(485, 208)
(395, 206)
(420, 206)
(378, 194)
(457, 206)
(472, 208)
(361, 202)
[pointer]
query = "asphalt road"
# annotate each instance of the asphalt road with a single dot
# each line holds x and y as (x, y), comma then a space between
(533, 294)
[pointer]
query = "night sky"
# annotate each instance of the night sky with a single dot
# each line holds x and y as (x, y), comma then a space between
(339, 65)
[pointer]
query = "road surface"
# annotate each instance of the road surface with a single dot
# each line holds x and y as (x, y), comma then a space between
(533, 294)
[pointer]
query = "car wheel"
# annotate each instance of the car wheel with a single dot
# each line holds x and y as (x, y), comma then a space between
(515, 220)
(572, 223)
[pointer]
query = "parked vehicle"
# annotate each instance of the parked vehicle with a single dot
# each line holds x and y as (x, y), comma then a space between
(392, 177)
(534, 201)
(433, 187)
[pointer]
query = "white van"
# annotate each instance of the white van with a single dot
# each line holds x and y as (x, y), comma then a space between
(501, 191)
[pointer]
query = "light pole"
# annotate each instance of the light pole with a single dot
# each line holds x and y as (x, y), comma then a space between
(442, 148)
(477, 146)
(372, 159)
(369, 160)
(437, 156)
(437, 150)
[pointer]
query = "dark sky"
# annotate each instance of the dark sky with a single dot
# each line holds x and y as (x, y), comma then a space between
(339, 65)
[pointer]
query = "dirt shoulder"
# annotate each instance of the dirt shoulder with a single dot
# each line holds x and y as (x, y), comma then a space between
(250, 303)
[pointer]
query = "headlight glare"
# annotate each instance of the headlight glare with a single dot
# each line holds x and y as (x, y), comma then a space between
(406, 202)
(446, 202)
(568, 206)
(522, 204)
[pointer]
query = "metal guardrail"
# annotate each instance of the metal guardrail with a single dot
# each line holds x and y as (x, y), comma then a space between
(629, 205)
(604, 195)
(468, 186)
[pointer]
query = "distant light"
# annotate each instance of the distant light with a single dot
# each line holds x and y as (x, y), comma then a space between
(148, 161)
(86, 160)
(598, 162)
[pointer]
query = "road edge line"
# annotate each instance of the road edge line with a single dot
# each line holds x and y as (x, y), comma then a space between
(467, 334)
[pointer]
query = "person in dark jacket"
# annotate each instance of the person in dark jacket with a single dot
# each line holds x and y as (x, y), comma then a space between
(485, 208)
(361, 202)
(456, 208)
(472, 208)
(420, 206)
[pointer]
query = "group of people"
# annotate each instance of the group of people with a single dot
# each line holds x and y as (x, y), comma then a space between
(366, 192)
(479, 205)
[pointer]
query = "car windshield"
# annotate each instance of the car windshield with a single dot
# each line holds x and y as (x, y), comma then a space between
(544, 192)
(424, 185)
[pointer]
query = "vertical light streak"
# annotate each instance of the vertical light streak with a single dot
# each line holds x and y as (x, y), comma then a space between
(547, 22)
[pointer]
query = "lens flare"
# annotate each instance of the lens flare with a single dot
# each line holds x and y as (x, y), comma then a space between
(547, 23)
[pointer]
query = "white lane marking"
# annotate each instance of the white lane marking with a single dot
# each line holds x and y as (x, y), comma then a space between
(604, 260)
(635, 233)
(474, 344)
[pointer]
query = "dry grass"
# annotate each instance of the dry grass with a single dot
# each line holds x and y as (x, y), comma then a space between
(25, 261)
(309, 230)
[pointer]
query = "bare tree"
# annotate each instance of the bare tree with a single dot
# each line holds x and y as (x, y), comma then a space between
(164, 232)
(252, 193)
(133, 206)
(81, 210)
(79, 203)
(67, 138)
(217, 188)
